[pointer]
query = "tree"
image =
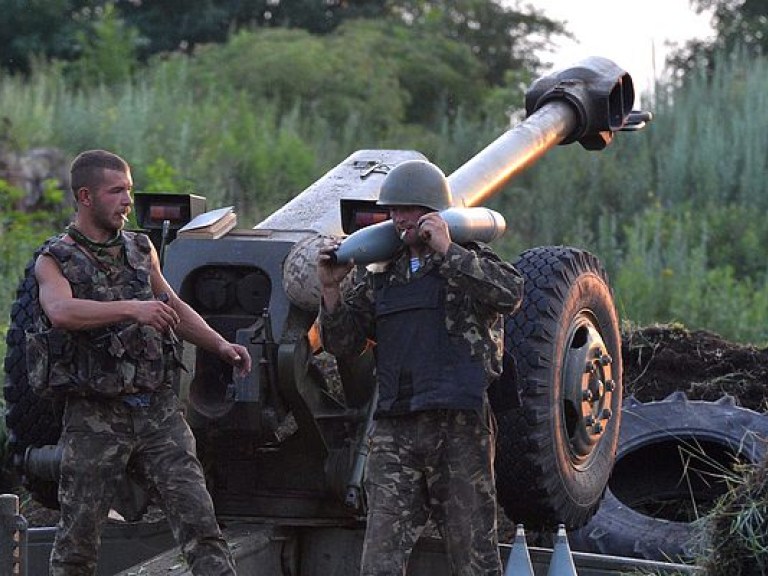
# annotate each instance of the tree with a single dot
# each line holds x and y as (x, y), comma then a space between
(502, 38)
(107, 50)
(180, 25)
(738, 24)
(43, 28)
(381, 72)
(315, 16)
(67, 30)
(439, 74)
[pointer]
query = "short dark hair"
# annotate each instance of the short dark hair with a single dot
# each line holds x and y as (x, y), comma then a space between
(86, 169)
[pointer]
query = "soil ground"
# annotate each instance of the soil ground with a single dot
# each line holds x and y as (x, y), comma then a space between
(658, 360)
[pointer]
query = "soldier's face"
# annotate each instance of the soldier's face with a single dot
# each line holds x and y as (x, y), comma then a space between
(111, 200)
(406, 219)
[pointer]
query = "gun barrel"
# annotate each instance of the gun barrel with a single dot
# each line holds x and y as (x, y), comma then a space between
(585, 103)
(485, 174)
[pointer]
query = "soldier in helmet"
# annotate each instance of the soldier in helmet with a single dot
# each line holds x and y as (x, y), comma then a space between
(435, 314)
(108, 337)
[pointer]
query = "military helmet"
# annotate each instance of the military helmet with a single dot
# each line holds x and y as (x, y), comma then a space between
(416, 183)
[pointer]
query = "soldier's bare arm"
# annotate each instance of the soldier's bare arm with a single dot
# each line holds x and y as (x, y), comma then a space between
(192, 327)
(69, 313)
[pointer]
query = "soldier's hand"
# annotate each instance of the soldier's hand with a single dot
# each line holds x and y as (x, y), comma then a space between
(237, 356)
(433, 230)
(155, 313)
(329, 272)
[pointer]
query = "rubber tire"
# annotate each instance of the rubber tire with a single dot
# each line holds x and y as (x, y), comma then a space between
(550, 468)
(31, 421)
(649, 468)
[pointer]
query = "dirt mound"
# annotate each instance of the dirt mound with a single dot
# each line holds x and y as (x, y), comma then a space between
(662, 359)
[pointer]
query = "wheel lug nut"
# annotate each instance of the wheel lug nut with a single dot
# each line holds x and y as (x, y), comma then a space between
(607, 413)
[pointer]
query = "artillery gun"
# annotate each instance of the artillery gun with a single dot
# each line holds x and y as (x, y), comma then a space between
(286, 445)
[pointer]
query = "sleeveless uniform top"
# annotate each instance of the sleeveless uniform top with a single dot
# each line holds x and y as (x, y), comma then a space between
(121, 359)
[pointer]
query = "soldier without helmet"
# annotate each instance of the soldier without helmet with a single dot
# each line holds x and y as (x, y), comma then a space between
(110, 332)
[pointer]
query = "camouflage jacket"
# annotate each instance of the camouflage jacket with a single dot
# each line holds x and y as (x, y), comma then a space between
(480, 287)
(120, 359)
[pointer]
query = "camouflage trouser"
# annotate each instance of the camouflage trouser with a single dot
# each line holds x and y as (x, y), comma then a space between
(99, 438)
(439, 464)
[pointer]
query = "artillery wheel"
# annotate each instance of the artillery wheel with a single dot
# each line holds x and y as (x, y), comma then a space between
(31, 421)
(674, 460)
(558, 402)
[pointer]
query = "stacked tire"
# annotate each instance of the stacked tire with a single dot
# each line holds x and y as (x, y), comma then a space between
(674, 460)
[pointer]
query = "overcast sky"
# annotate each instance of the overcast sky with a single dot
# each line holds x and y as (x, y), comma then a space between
(632, 34)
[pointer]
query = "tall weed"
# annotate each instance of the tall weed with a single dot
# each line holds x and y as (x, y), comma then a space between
(667, 274)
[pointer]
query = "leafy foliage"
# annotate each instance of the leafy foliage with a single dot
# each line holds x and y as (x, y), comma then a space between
(738, 25)
(162, 177)
(670, 270)
(20, 234)
(384, 72)
(37, 28)
(107, 50)
(503, 39)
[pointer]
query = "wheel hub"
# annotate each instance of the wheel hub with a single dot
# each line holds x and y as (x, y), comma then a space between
(587, 388)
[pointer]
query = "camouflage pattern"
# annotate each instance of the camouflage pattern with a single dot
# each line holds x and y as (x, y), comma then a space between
(121, 413)
(434, 463)
(50, 354)
(439, 465)
(122, 359)
(480, 287)
(99, 439)
(300, 274)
